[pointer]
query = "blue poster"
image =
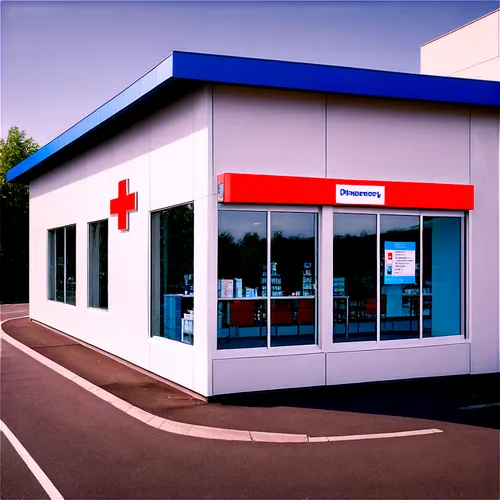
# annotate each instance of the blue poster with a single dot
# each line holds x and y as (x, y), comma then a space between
(399, 262)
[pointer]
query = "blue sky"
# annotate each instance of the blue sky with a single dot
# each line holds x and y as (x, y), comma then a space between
(61, 60)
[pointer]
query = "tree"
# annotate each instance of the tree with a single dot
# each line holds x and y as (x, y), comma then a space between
(14, 219)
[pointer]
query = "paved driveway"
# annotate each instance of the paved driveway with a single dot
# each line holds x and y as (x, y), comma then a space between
(90, 449)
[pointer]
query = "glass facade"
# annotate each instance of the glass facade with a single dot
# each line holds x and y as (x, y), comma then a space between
(442, 287)
(399, 277)
(61, 265)
(172, 273)
(354, 277)
(267, 265)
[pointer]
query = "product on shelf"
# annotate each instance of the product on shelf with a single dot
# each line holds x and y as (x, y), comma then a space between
(226, 289)
(307, 281)
(238, 288)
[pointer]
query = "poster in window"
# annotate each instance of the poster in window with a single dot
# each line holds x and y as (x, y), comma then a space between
(399, 262)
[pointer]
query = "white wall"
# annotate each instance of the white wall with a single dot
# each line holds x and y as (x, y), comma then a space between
(166, 158)
(401, 141)
(471, 51)
(484, 251)
(269, 131)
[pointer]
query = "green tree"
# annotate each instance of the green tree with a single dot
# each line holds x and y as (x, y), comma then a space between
(14, 219)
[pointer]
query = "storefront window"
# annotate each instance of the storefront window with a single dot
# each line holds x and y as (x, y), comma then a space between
(399, 277)
(172, 279)
(242, 257)
(266, 289)
(293, 274)
(355, 277)
(442, 276)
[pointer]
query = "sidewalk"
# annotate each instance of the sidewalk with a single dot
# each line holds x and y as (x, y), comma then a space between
(315, 412)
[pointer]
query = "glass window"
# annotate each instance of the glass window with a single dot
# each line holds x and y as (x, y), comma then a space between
(355, 277)
(399, 276)
(292, 273)
(172, 273)
(71, 265)
(242, 279)
(51, 288)
(442, 276)
(62, 264)
(98, 264)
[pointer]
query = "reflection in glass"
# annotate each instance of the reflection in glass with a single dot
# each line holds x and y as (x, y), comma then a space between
(242, 254)
(399, 276)
(172, 279)
(242, 323)
(293, 322)
(52, 266)
(98, 264)
(355, 277)
(442, 270)
(293, 254)
(71, 265)
(60, 264)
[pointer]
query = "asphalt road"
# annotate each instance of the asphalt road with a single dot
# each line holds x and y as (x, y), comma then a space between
(91, 450)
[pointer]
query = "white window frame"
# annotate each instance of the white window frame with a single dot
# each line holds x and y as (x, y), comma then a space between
(269, 350)
(420, 341)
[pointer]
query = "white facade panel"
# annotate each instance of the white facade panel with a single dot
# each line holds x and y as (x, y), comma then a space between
(269, 132)
(157, 155)
(473, 44)
(488, 70)
(374, 139)
(393, 364)
(172, 154)
(483, 255)
(173, 361)
(268, 373)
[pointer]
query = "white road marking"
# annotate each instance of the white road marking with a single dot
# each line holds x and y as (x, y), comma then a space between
(35, 469)
(478, 407)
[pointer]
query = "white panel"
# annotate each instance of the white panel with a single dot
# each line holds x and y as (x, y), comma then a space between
(269, 132)
(483, 257)
(378, 139)
(465, 47)
(488, 70)
(277, 372)
(128, 263)
(172, 154)
(394, 364)
(172, 360)
(205, 242)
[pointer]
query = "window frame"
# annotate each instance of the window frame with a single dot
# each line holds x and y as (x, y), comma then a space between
(421, 340)
(89, 229)
(151, 336)
(268, 210)
(51, 232)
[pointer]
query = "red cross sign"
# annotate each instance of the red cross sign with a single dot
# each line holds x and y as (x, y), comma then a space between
(122, 205)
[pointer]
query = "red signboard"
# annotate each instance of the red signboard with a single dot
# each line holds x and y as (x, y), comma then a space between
(285, 190)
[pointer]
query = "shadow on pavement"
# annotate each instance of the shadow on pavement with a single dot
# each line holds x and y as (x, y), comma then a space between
(441, 399)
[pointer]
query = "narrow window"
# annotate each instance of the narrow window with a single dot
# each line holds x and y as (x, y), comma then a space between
(98, 264)
(62, 264)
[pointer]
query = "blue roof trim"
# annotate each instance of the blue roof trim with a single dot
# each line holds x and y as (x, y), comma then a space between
(334, 79)
(187, 67)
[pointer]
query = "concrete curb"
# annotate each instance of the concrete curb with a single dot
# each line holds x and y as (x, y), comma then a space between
(198, 431)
